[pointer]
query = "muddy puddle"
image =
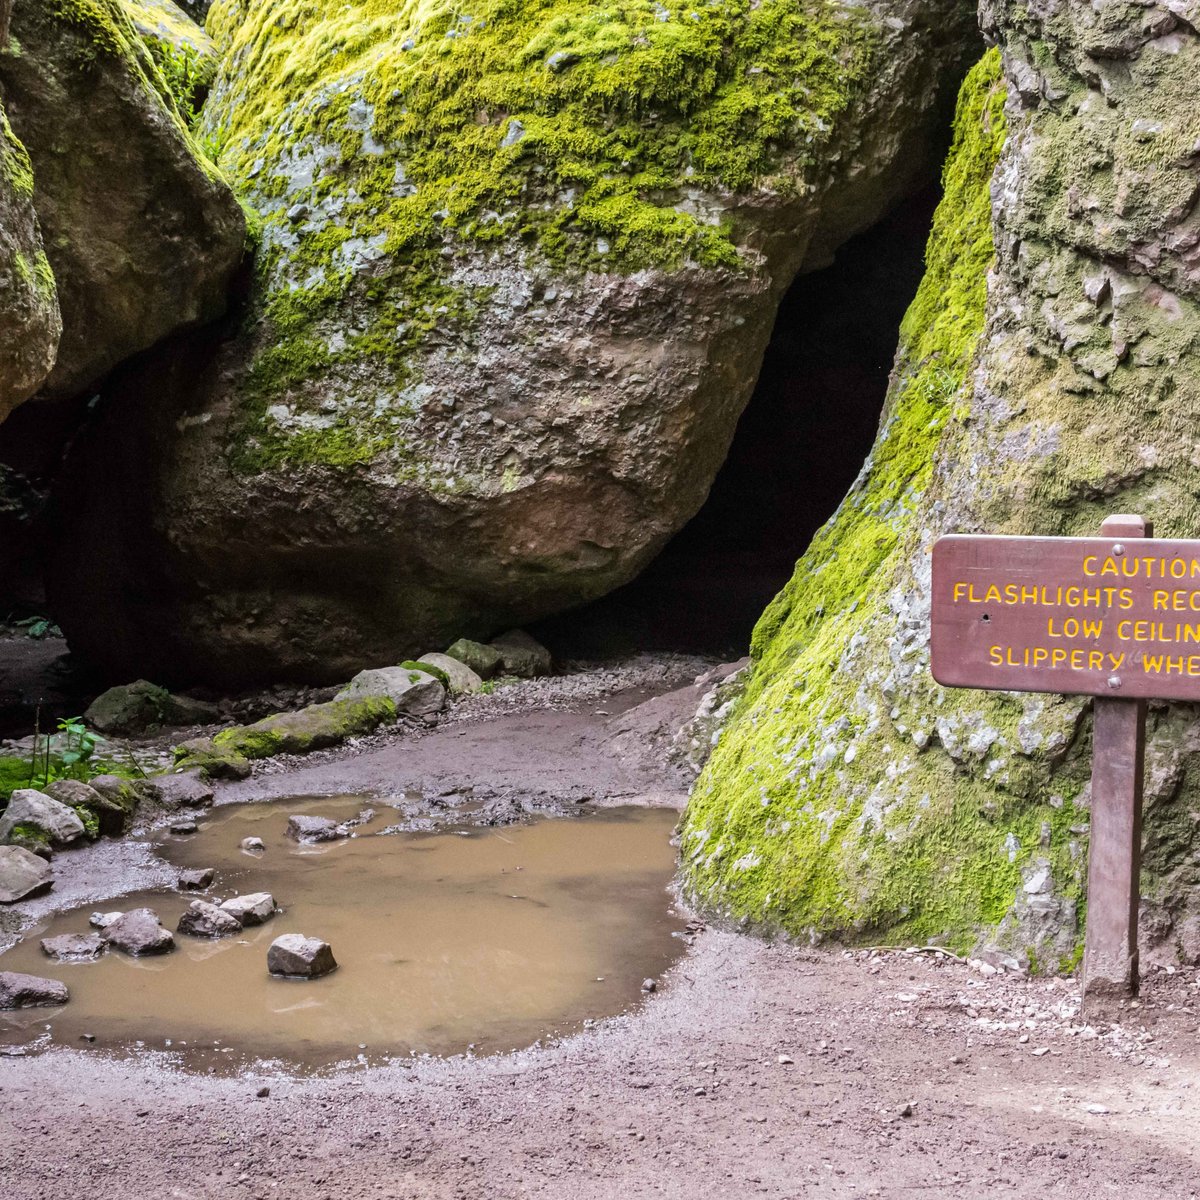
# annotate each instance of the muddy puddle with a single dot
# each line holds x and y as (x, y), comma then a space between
(469, 938)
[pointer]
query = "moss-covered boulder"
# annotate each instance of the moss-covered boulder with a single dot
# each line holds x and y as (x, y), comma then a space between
(142, 232)
(313, 728)
(29, 319)
(849, 794)
(518, 266)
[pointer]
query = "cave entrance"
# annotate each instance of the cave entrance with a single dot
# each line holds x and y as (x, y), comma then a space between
(799, 445)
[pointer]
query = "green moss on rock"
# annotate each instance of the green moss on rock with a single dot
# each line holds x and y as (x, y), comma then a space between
(378, 138)
(799, 822)
(313, 728)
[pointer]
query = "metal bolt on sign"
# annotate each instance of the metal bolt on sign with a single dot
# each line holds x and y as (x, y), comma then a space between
(1115, 617)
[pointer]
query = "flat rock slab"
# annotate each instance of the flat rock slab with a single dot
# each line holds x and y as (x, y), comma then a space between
(139, 932)
(74, 947)
(22, 873)
(204, 920)
(255, 908)
(30, 991)
(196, 881)
(314, 829)
(300, 957)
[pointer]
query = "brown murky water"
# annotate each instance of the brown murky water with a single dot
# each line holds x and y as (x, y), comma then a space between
(470, 938)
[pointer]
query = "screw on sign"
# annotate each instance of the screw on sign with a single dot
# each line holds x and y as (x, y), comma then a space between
(1116, 617)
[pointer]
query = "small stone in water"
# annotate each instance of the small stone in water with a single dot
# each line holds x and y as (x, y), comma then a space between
(183, 827)
(648, 985)
(252, 845)
(302, 957)
(255, 908)
(74, 947)
(99, 920)
(196, 881)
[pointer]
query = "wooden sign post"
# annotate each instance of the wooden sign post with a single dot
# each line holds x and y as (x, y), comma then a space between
(1112, 617)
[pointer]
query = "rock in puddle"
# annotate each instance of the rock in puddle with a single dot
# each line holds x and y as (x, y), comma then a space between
(30, 991)
(252, 845)
(102, 920)
(203, 920)
(74, 947)
(196, 881)
(183, 827)
(22, 873)
(255, 908)
(315, 829)
(300, 957)
(139, 932)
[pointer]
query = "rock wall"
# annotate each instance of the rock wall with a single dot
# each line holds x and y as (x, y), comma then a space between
(849, 795)
(517, 270)
(30, 324)
(142, 233)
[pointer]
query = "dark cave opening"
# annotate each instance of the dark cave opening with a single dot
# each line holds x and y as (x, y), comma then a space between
(799, 445)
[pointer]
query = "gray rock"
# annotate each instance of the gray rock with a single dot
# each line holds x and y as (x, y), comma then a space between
(30, 991)
(314, 829)
(22, 873)
(196, 881)
(102, 920)
(139, 932)
(485, 661)
(255, 908)
(522, 655)
(131, 709)
(252, 845)
(184, 827)
(187, 789)
(203, 920)
(463, 681)
(55, 821)
(413, 692)
(301, 957)
(74, 947)
(112, 815)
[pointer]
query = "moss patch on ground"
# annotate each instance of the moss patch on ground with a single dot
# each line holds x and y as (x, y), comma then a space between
(817, 812)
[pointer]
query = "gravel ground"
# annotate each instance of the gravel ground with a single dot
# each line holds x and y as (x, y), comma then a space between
(753, 1070)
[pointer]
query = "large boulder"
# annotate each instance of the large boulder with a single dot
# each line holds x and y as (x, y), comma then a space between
(32, 818)
(142, 233)
(22, 873)
(104, 815)
(849, 794)
(517, 272)
(30, 324)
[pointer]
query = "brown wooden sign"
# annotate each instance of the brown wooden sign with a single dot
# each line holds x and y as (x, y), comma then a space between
(1106, 616)
(1116, 617)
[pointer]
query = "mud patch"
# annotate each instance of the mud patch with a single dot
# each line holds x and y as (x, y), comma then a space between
(466, 939)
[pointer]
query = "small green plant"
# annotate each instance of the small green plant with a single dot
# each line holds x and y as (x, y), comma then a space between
(79, 746)
(38, 627)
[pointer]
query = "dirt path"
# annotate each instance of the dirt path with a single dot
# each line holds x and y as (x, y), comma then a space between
(754, 1070)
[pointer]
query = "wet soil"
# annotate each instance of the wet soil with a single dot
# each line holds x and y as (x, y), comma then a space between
(473, 938)
(753, 1070)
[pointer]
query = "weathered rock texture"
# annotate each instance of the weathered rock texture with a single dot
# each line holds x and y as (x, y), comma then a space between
(29, 319)
(850, 795)
(142, 233)
(517, 271)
